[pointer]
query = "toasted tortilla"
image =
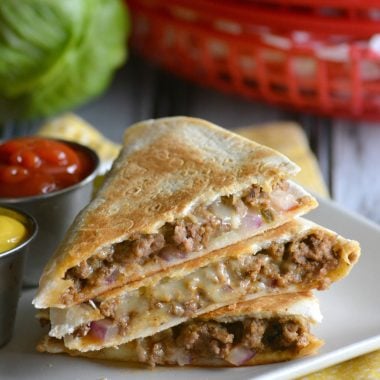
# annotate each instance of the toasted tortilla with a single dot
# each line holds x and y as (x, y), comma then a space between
(300, 308)
(294, 257)
(290, 139)
(167, 168)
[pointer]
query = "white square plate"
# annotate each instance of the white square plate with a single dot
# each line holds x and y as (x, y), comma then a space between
(351, 325)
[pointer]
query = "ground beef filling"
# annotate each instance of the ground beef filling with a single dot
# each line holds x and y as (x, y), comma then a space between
(174, 241)
(234, 342)
(306, 261)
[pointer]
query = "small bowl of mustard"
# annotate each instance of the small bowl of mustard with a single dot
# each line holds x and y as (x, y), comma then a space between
(50, 179)
(17, 231)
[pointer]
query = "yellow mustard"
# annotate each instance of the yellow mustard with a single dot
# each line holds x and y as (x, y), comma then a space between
(12, 233)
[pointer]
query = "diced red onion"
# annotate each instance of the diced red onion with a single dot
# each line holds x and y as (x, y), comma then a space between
(240, 355)
(283, 200)
(183, 358)
(171, 253)
(103, 329)
(112, 277)
(252, 221)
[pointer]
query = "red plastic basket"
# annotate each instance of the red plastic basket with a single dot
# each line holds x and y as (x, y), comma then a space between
(246, 48)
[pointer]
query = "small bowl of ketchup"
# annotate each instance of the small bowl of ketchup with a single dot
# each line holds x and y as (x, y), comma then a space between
(51, 180)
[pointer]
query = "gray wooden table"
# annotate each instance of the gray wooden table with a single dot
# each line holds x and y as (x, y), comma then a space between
(348, 151)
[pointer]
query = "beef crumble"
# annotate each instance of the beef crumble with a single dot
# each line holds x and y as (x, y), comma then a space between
(216, 340)
(305, 260)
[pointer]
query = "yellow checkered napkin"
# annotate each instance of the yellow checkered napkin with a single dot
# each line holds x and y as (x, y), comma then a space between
(366, 367)
(71, 127)
(289, 139)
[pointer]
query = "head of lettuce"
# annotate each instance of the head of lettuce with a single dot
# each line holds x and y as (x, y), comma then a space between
(56, 54)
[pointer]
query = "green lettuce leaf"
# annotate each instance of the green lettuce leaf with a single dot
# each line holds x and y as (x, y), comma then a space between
(57, 54)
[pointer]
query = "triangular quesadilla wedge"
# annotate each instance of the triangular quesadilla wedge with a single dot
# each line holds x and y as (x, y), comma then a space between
(181, 188)
(265, 330)
(294, 257)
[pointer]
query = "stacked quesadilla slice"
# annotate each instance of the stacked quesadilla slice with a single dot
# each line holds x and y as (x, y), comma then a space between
(264, 330)
(191, 220)
(180, 189)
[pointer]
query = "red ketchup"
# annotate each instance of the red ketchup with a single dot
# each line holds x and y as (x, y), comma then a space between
(36, 165)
